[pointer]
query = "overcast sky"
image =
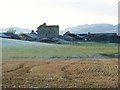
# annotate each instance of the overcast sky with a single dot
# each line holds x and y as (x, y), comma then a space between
(65, 13)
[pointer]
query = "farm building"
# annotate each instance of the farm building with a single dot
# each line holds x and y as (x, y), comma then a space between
(29, 37)
(9, 35)
(2, 35)
(101, 36)
(72, 37)
(45, 31)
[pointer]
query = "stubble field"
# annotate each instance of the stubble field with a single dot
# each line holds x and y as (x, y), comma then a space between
(60, 73)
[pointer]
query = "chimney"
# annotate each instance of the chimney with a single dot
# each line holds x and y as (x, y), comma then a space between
(44, 24)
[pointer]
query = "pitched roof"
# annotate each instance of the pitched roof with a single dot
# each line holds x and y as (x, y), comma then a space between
(4, 35)
(44, 24)
(108, 34)
(31, 35)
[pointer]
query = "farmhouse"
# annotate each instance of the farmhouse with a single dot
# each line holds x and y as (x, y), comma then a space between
(45, 31)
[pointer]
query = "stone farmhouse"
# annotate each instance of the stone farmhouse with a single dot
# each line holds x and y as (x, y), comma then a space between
(48, 31)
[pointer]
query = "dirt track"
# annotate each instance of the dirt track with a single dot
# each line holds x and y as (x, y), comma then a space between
(54, 73)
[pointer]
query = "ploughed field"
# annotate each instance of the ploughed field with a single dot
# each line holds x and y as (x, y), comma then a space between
(60, 73)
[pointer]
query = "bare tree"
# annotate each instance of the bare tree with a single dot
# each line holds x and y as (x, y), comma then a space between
(11, 30)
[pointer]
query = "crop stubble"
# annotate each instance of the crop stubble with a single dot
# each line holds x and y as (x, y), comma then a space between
(43, 73)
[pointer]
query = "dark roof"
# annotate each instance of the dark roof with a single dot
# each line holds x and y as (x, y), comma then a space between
(44, 24)
(4, 35)
(108, 34)
(102, 33)
(53, 26)
(12, 35)
(31, 35)
(82, 34)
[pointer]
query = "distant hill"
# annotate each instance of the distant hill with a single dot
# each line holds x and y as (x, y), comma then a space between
(93, 28)
(18, 30)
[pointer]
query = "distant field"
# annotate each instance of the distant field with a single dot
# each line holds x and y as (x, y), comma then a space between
(60, 73)
(26, 49)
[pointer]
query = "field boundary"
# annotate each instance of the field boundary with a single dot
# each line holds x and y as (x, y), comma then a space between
(80, 56)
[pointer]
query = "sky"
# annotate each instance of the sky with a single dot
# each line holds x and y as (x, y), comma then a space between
(65, 13)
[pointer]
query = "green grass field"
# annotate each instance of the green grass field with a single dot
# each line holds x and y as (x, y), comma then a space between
(21, 49)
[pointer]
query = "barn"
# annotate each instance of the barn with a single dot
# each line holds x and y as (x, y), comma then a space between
(29, 37)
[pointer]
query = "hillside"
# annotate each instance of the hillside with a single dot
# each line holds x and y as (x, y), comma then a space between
(93, 28)
(25, 49)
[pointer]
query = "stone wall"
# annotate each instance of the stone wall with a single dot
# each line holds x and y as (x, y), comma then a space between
(48, 31)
